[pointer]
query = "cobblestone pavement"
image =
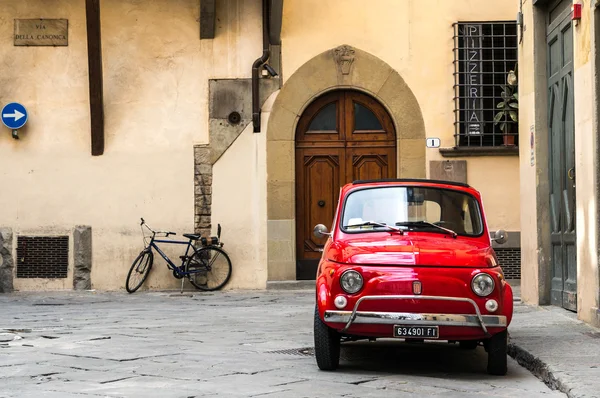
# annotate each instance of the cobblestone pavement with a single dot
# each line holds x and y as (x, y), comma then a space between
(223, 344)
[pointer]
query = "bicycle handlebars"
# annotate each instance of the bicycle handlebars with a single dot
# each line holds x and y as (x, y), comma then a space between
(157, 232)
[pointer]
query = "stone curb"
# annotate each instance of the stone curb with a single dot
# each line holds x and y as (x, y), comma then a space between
(291, 285)
(538, 368)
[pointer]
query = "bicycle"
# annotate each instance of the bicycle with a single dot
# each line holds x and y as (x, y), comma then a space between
(199, 264)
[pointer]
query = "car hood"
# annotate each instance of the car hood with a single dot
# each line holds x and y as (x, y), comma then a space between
(413, 250)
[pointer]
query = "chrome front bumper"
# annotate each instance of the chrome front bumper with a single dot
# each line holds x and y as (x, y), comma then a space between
(416, 319)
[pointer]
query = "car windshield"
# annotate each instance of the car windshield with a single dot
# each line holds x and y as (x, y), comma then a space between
(422, 209)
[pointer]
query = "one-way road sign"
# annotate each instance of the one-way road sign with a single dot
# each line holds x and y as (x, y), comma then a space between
(14, 115)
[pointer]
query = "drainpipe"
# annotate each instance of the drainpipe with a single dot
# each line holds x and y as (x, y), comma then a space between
(256, 66)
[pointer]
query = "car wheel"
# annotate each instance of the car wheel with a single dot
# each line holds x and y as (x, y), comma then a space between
(497, 354)
(468, 344)
(327, 345)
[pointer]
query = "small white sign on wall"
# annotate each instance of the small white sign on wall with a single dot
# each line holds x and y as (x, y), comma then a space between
(532, 144)
(433, 142)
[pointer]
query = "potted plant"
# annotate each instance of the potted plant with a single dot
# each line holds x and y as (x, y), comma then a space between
(508, 108)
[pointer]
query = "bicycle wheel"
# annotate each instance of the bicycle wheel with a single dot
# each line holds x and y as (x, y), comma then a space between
(139, 270)
(209, 268)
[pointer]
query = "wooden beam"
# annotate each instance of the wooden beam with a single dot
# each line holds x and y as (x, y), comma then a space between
(92, 13)
(207, 19)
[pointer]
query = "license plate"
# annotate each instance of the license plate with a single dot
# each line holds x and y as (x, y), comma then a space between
(418, 332)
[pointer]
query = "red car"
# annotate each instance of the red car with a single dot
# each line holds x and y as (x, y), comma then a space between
(411, 259)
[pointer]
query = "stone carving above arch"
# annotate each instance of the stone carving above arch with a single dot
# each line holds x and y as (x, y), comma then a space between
(344, 56)
(343, 67)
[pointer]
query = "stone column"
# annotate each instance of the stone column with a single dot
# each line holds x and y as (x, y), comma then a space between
(6, 260)
(203, 189)
(82, 246)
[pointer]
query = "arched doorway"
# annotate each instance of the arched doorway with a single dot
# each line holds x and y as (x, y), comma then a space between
(342, 136)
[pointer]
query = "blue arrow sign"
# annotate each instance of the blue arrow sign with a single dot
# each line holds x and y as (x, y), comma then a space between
(14, 115)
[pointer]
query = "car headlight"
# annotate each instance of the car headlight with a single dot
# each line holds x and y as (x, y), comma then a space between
(351, 281)
(482, 285)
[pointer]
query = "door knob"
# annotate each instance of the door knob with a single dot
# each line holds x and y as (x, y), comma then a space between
(321, 203)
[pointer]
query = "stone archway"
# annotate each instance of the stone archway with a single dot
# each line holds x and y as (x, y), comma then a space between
(338, 68)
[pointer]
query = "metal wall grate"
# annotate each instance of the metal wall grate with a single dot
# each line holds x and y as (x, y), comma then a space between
(484, 53)
(510, 260)
(42, 256)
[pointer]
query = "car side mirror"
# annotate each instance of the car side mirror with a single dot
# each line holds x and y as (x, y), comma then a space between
(500, 236)
(320, 231)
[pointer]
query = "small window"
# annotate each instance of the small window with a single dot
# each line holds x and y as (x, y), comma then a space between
(325, 120)
(364, 119)
(486, 99)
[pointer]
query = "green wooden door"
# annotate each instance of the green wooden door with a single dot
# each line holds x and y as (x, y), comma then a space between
(562, 156)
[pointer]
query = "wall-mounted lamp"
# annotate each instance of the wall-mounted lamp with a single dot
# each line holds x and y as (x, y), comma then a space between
(269, 69)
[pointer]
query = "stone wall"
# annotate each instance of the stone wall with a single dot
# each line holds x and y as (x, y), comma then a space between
(6, 261)
(202, 190)
(82, 261)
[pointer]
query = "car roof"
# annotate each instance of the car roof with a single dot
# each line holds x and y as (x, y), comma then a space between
(460, 186)
(409, 180)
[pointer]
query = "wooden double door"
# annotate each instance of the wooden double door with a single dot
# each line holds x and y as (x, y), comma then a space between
(341, 137)
(561, 138)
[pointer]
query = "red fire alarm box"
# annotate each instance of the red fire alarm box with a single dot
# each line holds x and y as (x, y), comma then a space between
(576, 9)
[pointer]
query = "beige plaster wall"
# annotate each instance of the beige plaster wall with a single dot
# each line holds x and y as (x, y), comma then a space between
(156, 72)
(415, 38)
(586, 170)
(528, 102)
(586, 166)
(239, 205)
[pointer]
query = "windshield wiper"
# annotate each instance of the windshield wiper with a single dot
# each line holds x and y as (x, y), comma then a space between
(412, 223)
(363, 224)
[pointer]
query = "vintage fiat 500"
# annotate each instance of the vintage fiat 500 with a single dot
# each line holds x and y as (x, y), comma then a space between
(413, 260)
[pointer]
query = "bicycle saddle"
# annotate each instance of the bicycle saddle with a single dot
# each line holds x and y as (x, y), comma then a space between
(192, 236)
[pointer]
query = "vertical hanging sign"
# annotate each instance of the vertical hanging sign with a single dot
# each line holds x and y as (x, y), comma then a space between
(473, 39)
(532, 144)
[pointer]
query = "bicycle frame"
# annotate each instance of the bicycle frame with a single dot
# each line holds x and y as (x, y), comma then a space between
(170, 264)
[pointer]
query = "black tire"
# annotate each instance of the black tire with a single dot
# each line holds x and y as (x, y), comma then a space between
(468, 344)
(327, 344)
(204, 262)
(142, 266)
(497, 354)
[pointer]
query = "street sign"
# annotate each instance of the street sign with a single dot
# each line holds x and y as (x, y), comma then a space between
(14, 115)
(433, 142)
